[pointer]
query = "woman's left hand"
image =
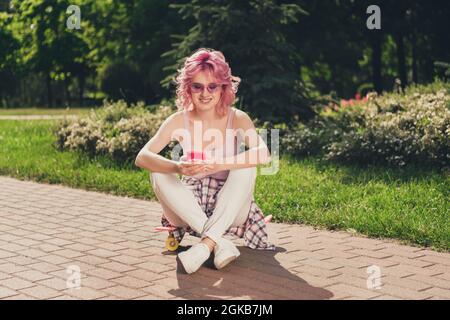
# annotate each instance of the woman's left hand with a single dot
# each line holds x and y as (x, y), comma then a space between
(213, 167)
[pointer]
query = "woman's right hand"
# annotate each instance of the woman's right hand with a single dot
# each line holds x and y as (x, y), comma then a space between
(191, 168)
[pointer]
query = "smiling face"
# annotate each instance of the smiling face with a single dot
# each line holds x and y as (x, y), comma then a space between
(202, 98)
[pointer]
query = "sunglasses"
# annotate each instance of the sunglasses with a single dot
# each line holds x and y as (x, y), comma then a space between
(198, 87)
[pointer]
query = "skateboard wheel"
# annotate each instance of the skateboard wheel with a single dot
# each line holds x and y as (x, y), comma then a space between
(172, 244)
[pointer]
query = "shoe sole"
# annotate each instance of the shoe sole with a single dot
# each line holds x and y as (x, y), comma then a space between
(225, 262)
(189, 265)
(186, 267)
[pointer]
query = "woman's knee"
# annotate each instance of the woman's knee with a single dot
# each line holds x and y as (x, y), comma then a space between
(244, 172)
(240, 220)
(159, 177)
(174, 220)
(153, 179)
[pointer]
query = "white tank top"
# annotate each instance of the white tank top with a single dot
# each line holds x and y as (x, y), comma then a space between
(229, 149)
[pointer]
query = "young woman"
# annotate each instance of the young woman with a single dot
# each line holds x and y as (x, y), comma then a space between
(215, 194)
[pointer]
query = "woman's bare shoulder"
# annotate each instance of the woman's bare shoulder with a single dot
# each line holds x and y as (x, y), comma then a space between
(242, 119)
(175, 120)
(173, 126)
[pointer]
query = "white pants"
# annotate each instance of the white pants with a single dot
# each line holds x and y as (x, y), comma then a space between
(181, 208)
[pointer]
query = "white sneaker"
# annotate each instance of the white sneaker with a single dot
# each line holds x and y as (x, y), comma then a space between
(193, 258)
(224, 252)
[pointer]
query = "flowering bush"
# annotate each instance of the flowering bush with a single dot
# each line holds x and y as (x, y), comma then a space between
(117, 130)
(393, 128)
(343, 104)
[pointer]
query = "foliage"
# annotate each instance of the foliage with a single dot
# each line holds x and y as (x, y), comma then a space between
(250, 34)
(443, 69)
(395, 129)
(117, 130)
(121, 80)
(284, 56)
(8, 45)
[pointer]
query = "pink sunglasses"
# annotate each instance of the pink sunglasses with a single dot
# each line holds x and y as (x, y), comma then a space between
(198, 87)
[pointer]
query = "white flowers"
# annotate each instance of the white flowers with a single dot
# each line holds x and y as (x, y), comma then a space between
(393, 128)
(117, 130)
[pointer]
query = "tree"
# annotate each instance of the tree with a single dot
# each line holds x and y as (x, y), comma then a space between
(152, 23)
(331, 43)
(130, 36)
(8, 45)
(249, 33)
(46, 46)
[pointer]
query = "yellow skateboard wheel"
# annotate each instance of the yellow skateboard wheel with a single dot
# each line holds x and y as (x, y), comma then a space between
(172, 243)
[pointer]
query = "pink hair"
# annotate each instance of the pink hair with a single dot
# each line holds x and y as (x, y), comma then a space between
(212, 61)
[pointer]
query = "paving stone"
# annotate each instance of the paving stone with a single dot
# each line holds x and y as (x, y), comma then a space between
(40, 292)
(6, 292)
(16, 283)
(44, 229)
(84, 293)
(125, 292)
(32, 275)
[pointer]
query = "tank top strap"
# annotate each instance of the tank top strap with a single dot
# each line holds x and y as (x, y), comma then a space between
(185, 119)
(231, 140)
(230, 118)
(184, 139)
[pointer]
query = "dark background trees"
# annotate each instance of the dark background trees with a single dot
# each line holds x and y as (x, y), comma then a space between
(251, 36)
(287, 52)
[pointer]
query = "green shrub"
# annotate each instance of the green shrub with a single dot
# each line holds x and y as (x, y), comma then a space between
(117, 130)
(120, 80)
(394, 129)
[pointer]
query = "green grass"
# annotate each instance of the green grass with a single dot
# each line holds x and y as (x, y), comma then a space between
(409, 204)
(27, 152)
(43, 111)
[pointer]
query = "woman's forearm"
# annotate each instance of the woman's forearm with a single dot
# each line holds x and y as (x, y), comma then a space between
(250, 158)
(155, 162)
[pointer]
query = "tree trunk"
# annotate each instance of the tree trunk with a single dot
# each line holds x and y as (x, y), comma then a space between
(376, 61)
(81, 84)
(401, 59)
(49, 91)
(415, 75)
(66, 91)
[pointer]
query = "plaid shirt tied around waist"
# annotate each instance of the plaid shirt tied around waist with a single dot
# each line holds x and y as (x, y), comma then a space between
(205, 190)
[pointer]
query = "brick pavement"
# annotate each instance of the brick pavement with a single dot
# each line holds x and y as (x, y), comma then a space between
(48, 230)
